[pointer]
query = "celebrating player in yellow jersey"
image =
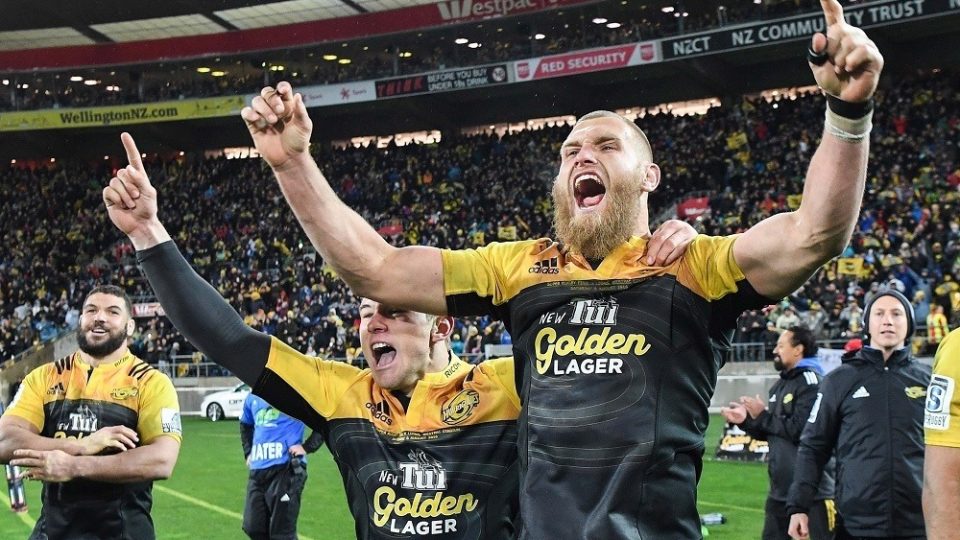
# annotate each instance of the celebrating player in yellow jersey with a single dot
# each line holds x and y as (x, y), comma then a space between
(97, 427)
(617, 357)
(426, 443)
(941, 466)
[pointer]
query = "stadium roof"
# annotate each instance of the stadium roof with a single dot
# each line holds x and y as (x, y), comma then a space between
(29, 24)
(62, 34)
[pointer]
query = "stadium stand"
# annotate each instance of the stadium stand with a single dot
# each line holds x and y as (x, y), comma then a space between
(234, 226)
(744, 160)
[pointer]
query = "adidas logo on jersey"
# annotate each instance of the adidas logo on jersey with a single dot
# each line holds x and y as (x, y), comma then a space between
(549, 266)
(861, 393)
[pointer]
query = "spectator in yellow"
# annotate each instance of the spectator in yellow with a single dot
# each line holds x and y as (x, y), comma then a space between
(937, 328)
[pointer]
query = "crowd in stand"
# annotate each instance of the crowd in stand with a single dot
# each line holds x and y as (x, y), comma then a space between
(305, 67)
(231, 222)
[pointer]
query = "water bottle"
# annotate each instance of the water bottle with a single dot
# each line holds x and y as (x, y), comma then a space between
(15, 489)
(715, 518)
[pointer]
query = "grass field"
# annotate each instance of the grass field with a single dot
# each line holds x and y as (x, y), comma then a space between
(204, 499)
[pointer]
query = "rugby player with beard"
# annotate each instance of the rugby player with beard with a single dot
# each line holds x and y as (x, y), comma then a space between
(97, 427)
(616, 357)
(425, 442)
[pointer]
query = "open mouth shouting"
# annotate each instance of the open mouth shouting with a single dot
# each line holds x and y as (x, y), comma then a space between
(383, 354)
(588, 190)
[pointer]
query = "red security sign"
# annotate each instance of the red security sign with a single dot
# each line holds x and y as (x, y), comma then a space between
(586, 61)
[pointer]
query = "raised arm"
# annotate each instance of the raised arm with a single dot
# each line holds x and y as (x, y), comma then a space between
(780, 253)
(408, 278)
(196, 309)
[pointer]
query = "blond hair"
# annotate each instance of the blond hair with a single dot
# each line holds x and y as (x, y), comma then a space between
(646, 151)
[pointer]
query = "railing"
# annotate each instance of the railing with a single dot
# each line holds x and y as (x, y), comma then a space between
(184, 366)
(762, 352)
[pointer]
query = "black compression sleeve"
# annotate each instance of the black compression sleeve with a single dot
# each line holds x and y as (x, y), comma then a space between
(246, 438)
(202, 315)
(313, 442)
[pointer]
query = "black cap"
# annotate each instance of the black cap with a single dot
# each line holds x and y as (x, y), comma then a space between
(907, 308)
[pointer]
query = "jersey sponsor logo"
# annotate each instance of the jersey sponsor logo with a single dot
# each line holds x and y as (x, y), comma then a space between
(170, 421)
(459, 407)
(595, 312)
(55, 390)
(601, 348)
(381, 411)
(549, 346)
(939, 397)
(914, 392)
(84, 420)
(422, 514)
(861, 393)
(423, 472)
(124, 393)
(548, 266)
(816, 409)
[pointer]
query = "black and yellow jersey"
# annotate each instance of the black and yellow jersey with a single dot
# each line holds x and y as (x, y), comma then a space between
(942, 416)
(616, 367)
(444, 467)
(71, 399)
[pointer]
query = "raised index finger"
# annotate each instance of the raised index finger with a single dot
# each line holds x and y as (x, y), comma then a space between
(832, 11)
(133, 155)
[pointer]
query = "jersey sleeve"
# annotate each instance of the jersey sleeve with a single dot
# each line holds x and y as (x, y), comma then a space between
(159, 413)
(28, 402)
(709, 267)
(306, 388)
(941, 420)
(501, 372)
(476, 281)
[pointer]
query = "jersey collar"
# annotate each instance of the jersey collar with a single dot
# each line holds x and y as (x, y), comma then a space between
(630, 252)
(125, 359)
(454, 369)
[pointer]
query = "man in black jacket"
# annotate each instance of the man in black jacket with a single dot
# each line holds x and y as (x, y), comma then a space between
(791, 399)
(870, 411)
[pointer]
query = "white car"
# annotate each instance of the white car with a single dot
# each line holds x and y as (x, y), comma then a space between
(225, 404)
